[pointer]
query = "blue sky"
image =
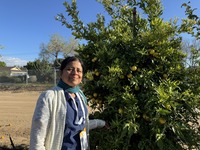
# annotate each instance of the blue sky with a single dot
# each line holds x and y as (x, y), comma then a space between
(25, 24)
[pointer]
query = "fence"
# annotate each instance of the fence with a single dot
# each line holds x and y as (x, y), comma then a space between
(46, 76)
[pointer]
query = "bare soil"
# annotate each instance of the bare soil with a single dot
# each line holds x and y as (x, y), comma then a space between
(16, 110)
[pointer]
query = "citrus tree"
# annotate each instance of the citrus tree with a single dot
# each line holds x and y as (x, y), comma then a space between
(136, 78)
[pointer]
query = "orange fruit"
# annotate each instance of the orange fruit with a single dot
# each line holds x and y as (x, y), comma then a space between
(120, 111)
(162, 120)
(94, 59)
(152, 52)
(97, 73)
(129, 75)
(134, 68)
(145, 117)
(95, 94)
(165, 76)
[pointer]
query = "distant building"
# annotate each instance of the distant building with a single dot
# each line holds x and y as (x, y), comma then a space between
(15, 71)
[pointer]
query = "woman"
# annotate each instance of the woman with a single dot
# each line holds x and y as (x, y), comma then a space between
(60, 120)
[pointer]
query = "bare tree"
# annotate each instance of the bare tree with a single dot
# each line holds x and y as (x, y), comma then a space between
(57, 47)
(71, 47)
(192, 50)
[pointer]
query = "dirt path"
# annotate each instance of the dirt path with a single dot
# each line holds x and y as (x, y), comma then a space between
(16, 110)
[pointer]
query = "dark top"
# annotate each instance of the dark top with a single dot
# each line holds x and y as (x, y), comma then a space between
(71, 140)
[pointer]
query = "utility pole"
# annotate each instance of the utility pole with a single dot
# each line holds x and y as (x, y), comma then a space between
(55, 76)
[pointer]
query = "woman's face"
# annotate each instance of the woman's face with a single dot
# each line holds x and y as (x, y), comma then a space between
(72, 74)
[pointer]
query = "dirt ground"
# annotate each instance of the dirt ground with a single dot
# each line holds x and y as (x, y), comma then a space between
(16, 110)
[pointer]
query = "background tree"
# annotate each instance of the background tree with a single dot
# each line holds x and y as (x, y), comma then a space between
(136, 77)
(71, 47)
(192, 49)
(56, 47)
(30, 65)
(1, 47)
(192, 62)
(49, 57)
(42, 69)
(2, 64)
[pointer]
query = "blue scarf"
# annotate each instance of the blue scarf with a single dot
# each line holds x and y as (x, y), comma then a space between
(68, 88)
(71, 89)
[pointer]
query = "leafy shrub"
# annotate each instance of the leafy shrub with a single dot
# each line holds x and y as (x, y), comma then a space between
(137, 80)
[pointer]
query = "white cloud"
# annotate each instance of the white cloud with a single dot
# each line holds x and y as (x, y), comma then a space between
(12, 61)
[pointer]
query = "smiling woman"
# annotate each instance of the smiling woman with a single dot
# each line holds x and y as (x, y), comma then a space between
(61, 117)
